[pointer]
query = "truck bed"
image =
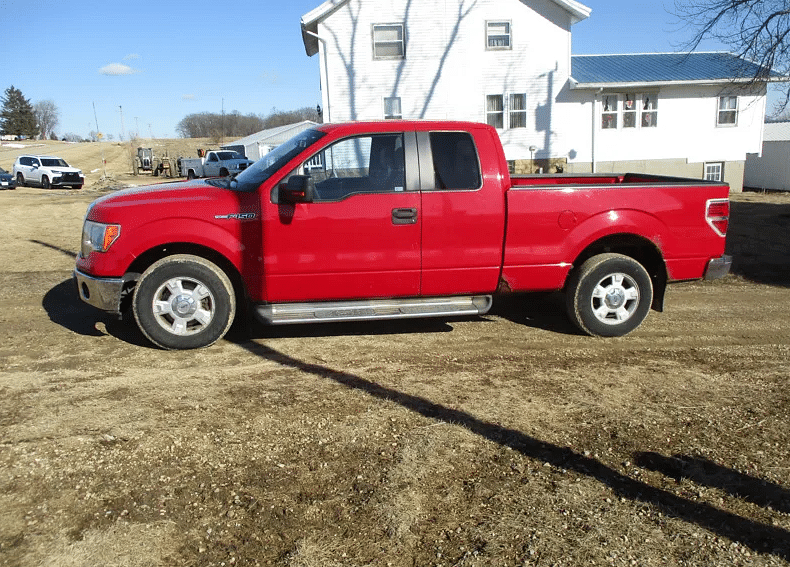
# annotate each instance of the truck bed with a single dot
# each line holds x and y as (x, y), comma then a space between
(553, 219)
(584, 179)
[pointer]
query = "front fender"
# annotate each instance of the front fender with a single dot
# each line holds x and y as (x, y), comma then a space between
(237, 242)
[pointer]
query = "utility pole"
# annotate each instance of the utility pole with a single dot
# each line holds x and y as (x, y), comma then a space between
(99, 136)
(122, 129)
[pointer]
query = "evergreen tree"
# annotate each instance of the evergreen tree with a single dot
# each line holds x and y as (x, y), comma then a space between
(17, 117)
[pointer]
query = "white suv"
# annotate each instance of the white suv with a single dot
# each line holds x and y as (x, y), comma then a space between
(46, 172)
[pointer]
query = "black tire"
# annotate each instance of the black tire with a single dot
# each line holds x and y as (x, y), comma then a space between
(184, 302)
(76, 186)
(45, 182)
(191, 174)
(20, 180)
(609, 295)
(223, 172)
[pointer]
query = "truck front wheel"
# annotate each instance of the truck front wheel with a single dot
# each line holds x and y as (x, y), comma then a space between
(609, 295)
(184, 302)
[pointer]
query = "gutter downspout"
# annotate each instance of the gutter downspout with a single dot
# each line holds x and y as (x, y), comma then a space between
(596, 97)
(327, 105)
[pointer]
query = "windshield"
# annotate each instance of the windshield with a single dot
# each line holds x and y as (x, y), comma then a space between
(229, 155)
(252, 177)
(53, 162)
(3, 170)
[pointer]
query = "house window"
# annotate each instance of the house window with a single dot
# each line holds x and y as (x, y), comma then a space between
(495, 111)
(388, 42)
(638, 110)
(392, 108)
(498, 35)
(518, 110)
(728, 111)
(714, 171)
(506, 110)
(609, 113)
(649, 111)
(629, 110)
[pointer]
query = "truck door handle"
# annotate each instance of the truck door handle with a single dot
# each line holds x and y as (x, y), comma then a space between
(404, 216)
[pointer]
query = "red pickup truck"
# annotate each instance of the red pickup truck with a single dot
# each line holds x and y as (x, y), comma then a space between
(382, 220)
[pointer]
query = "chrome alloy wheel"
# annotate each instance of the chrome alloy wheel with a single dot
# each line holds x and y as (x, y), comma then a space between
(183, 306)
(615, 298)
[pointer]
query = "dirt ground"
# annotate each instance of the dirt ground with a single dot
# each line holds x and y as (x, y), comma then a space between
(504, 440)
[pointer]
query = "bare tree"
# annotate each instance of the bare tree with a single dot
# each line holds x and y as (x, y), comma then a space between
(48, 116)
(756, 30)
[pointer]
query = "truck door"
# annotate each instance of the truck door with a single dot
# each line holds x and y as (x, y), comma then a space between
(463, 214)
(360, 237)
(211, 165)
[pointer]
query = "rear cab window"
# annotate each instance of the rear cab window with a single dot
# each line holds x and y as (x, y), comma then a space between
(456, 164)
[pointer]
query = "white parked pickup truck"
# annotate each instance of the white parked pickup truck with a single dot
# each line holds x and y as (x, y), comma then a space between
(215, 163)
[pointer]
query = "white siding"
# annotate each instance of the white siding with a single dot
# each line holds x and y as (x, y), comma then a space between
(447, 71)
(686, 128)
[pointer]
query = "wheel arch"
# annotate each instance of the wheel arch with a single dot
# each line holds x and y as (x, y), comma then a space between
(634, 246)
(149, 257)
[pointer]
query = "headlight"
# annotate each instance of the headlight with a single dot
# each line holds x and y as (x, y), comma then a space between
(98, 237)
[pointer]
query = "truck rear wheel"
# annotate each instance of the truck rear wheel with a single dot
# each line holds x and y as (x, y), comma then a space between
(609, 295)
(184, 302)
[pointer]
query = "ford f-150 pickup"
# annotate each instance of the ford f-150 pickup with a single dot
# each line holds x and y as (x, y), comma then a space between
(383, 220)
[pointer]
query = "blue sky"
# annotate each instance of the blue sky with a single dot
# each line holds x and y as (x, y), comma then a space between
(145, 69)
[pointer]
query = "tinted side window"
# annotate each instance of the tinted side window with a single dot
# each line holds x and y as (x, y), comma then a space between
(455, 162)
(364, 164)
(26, 161)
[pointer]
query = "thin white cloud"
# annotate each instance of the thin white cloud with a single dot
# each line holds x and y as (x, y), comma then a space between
(270, 77)
(117, 69)
(131, 57)
(188, 97)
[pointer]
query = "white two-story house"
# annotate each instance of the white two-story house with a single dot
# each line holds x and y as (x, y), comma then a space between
(509, 63)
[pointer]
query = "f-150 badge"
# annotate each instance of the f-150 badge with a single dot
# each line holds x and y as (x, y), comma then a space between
(239, 216)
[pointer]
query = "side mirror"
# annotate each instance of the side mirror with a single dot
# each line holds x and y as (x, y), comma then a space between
(298, 189)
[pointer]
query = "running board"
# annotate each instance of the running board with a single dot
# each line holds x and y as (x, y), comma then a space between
(372, 309)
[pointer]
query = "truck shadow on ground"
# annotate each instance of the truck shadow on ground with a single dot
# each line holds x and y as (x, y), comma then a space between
(65, 308)
(759, 537)
(759, 243)
(541, 311)
(545, 311)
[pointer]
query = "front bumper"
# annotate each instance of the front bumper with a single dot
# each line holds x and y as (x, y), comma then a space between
(102, 293)
(718, 267)
(68, 179)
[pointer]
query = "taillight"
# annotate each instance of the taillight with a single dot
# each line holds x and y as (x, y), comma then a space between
(717, 213)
